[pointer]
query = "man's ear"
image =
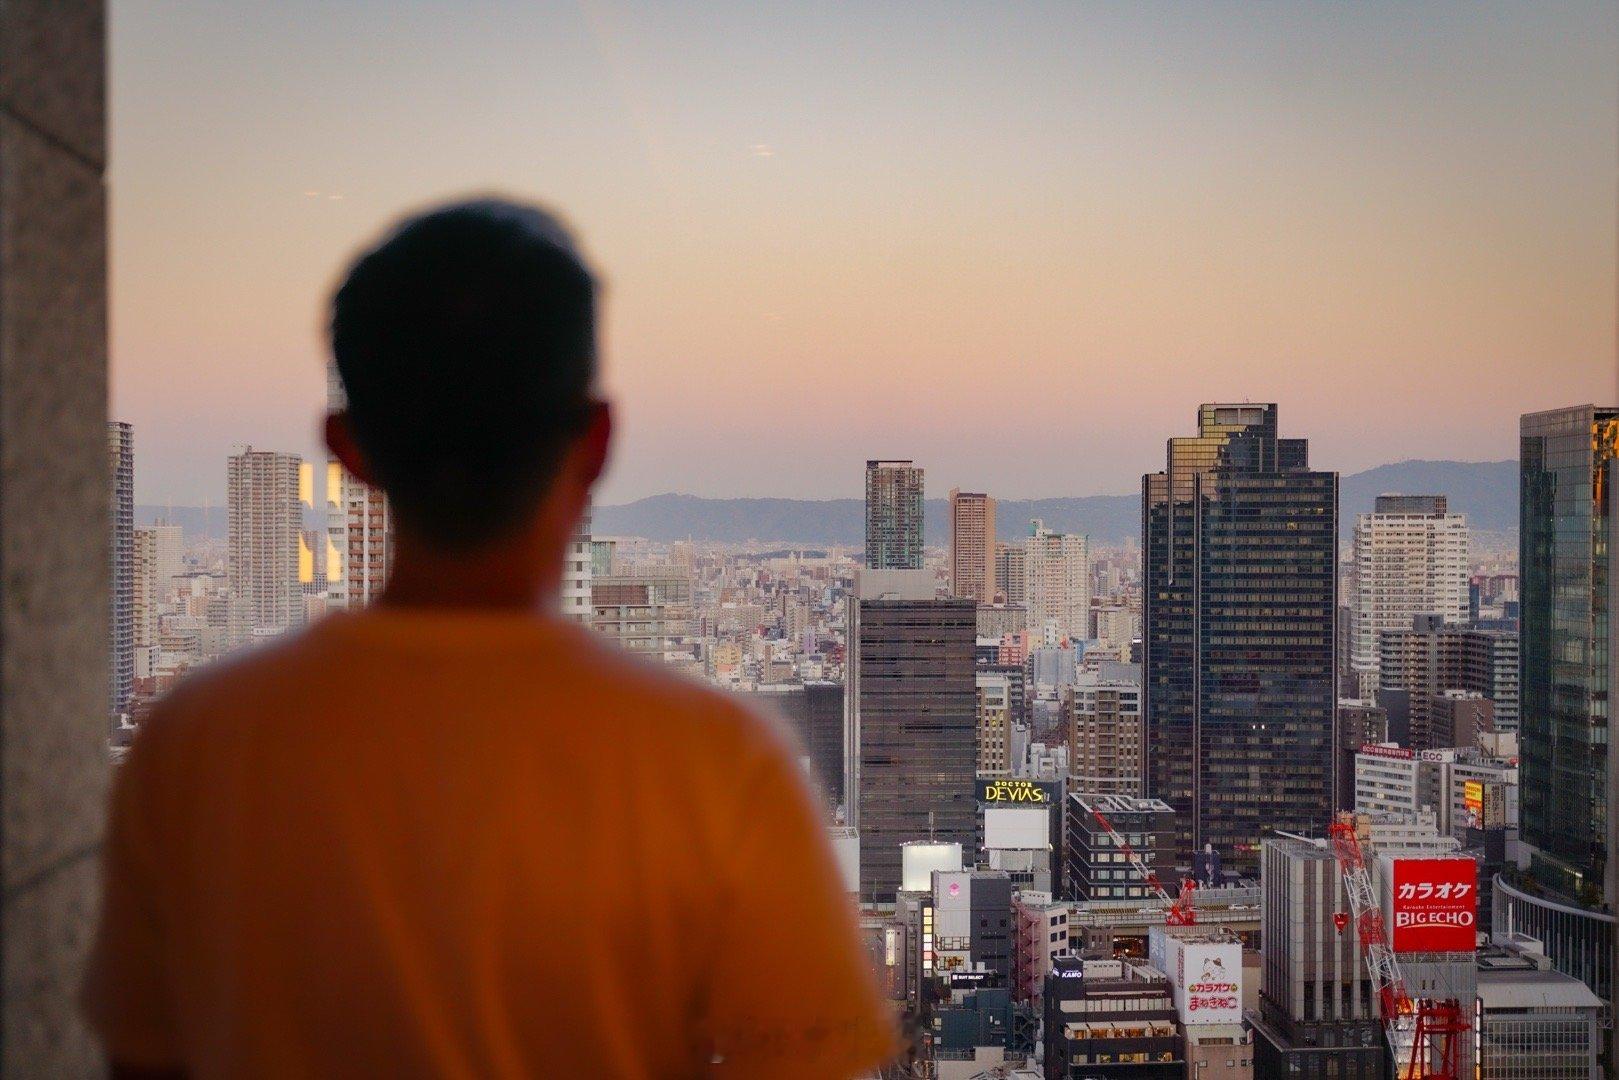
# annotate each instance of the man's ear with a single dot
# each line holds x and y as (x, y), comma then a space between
(596, 442)
(340, 441)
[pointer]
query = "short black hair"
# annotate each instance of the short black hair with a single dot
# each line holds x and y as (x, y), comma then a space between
(466, 344)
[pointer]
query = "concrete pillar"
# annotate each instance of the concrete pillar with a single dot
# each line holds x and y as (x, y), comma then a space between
(53, 520)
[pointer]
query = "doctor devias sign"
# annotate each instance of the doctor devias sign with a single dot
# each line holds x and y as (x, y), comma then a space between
(1434, 905)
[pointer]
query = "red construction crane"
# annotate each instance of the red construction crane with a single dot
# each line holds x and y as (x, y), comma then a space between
(1419, 1031)
(1180, 912)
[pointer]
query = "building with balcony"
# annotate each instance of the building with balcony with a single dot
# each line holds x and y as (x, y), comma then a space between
(1110, 1018)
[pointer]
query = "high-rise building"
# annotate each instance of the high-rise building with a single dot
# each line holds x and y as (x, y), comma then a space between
(1410, 559)
(972, 545)
(813, 711)
(1058, 582)
(1316, 1014)
(1426, 661)
(1105, 745)
(1011, 574)
(648, 613)
(121, 628)
(265, 543)
(910, 715)
(994, 723)
(1097, 868)
(1360, 723)
(577, 572)
(893, 515)
(1565, 562)
(1240, 600)
(144, 596)
(359, 528)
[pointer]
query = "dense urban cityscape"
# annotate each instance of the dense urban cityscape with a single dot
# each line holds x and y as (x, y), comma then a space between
(1230, 799)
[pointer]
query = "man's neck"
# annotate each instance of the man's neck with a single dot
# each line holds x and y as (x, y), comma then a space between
(511, 575)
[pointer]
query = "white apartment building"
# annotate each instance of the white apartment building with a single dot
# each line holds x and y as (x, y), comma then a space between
(1106, 749)
(577, 574)
(1410, 559)
(1057, 573)
(359, 528)
(266, 549)
(1455, 788)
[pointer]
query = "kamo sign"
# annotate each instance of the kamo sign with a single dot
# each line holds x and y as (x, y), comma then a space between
(1434, 905)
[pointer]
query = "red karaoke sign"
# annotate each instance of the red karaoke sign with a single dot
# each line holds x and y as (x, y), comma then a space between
(1435, 905)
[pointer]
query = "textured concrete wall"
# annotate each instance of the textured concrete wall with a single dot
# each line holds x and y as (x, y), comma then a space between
(53, 519)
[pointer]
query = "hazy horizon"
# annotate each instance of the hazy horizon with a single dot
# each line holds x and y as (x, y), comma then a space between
(1019, 244)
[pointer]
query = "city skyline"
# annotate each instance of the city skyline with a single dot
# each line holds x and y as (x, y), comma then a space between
(885, 215)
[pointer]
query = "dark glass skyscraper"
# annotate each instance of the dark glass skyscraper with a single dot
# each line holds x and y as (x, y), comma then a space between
(1240, 553)
(1566, 472)
(911, 714)
(893, 515)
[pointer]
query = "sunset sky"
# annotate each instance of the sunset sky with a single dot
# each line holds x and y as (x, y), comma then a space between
(1016, 242)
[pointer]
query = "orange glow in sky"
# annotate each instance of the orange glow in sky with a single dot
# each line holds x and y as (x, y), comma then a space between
(1018, 243)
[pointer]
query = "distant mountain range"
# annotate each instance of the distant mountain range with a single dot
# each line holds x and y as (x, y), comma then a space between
(1486, 491)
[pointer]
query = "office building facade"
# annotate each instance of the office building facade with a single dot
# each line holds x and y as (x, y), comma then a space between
(1097, 867)
(1316, 1014)
(1011, 574)
(1239, 621)
(1422, 662)
(813, 711)
(1566, 470)
(910, 721)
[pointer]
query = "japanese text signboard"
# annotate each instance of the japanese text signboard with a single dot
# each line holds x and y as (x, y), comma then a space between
(1434, 905)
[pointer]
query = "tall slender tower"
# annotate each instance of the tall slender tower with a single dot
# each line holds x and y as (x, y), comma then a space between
(1240, 593)
(1057, 572)
(893, 515)
(1410, 560)
(1569, 460)
(359, 528)
(121, 629)
(972, 546)
(265, 544)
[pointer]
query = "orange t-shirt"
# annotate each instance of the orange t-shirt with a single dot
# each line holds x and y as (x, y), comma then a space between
(413, 844)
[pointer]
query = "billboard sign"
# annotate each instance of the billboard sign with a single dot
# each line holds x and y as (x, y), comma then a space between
(1017, 828)
(1208, 981)
(1006, 791)
(1434, 905)
(1473, 803)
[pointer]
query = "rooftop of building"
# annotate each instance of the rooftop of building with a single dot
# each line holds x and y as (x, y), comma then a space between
(1519, 989)
(1119, 804)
